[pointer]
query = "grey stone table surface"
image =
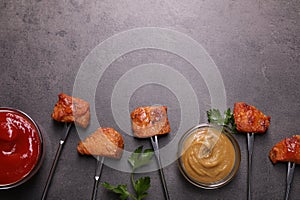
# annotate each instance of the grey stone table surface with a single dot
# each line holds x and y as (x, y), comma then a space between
(45, 45)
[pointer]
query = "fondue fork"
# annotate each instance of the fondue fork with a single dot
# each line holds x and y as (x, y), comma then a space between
(97, 176)
(154, 142)
(250, 144)
(289, 178)
(57, 155)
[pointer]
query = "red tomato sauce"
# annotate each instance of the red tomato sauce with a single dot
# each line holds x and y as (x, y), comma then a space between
(19, 146)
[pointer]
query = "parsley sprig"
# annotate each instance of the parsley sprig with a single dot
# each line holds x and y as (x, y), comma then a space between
(119, 189)
(137, 159)
(140, 158)
(214, 116)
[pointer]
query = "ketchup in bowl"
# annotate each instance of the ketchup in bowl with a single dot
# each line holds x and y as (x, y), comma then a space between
(21, 147)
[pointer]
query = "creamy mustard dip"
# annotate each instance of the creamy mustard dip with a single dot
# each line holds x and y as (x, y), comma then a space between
(208, 155)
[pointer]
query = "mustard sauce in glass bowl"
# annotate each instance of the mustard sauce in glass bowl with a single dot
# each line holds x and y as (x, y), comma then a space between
(208, 156)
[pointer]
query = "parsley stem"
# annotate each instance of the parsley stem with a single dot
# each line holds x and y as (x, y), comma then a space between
(133, 197)
(132, 178)
(133, 183)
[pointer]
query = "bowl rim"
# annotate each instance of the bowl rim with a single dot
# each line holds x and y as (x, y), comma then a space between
(227, 132)
(41, 155)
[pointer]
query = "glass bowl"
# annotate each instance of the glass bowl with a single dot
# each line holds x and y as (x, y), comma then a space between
(22, 147)
(208, 156)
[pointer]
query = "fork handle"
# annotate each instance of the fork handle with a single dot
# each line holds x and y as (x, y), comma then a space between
(98, 172)
(54, 164)
(289, 179)
(287, 192)
(250, 143)
(154, 142)
(163, 179)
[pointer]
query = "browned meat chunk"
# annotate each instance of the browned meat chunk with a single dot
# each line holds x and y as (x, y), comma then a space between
(103, 142)
(71, 109)
(249, 119)
(149, 121)
(287, 150)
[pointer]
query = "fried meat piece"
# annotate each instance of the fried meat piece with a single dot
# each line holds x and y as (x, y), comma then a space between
(149, 121)
(287, 150)
(103, 142)
(71, 109)
(249, 119)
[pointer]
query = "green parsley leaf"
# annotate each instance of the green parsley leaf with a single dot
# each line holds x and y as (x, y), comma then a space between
(140, 158)
(214, 117)
(228, 116)
(141, 186)
(120, 189)
(137, 159)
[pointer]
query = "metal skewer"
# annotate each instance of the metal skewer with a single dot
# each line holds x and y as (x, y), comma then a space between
(97, 176)
(289, 178)
(250, 143)
(155, 146)
(57, 155)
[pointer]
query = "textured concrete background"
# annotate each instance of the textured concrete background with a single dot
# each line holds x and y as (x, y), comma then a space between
(255, 44)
